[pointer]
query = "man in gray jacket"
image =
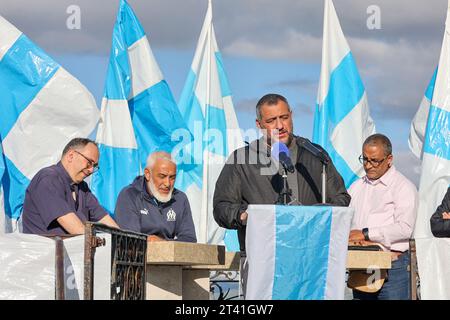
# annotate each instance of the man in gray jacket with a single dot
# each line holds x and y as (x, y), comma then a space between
(249, 176)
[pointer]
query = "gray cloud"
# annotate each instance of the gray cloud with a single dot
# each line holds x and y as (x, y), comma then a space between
(395, 62)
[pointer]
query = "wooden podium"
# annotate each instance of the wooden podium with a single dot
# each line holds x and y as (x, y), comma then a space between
(180, 270)
(363, 259)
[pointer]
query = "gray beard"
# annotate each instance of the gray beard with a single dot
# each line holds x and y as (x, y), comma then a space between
(157, 194)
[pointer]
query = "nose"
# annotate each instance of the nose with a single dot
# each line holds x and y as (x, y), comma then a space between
(279, 124)
(166, 182)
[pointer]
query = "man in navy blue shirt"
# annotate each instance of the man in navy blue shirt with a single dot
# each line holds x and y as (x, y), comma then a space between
(58, 201)
(152, 205)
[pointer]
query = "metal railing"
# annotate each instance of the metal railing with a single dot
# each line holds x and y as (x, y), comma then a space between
(128, 262)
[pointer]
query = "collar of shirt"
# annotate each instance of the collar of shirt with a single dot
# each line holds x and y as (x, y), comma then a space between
(62, 171)
(385, 179)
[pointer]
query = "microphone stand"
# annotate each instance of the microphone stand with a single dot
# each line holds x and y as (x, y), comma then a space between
(323, 158)
(324, 182)
(283, 196)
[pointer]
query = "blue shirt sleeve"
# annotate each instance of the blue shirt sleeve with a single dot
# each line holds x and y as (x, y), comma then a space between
(49, 198)
(126, 213)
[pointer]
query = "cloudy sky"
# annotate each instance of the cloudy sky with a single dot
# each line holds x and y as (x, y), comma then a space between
(267, 46)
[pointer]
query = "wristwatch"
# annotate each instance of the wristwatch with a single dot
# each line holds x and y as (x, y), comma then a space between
(365, 232)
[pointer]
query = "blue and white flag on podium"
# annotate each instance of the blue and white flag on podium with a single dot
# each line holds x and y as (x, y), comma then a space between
(342, 119)
(297, 252)
(419, 123)
(435, 177)
(138, 112)
(2, 164)
(207, 108)
(2, 207)
(42, 107)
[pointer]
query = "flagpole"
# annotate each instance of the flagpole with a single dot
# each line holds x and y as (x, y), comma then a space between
(206, 152)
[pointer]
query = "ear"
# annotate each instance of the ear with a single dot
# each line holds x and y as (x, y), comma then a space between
(147, 174)
(69, 156)
(258, 124)
(390, 160)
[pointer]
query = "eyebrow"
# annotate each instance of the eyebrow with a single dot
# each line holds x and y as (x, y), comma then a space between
(280, 116)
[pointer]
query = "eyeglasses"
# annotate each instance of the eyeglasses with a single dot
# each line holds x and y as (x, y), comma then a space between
(91, 164)
(374, 163)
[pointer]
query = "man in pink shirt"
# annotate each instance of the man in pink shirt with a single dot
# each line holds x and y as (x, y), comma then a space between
(385, 205)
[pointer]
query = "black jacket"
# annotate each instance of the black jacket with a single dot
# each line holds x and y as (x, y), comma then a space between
(242, 182)
(440, 227)
(136, 210)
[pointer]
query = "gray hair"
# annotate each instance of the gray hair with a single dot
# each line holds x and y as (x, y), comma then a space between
(158, 155)
(269, 99)
(379, 139)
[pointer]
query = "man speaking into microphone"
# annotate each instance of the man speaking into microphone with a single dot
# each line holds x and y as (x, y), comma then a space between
(251, 176)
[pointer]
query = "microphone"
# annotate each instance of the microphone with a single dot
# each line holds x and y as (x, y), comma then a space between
(314, 150)
(280, 152)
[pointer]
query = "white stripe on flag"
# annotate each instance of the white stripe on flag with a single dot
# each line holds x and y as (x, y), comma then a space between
(337, 260)
(354, 127)
(261, 270)
(433, 256)
(331, 57)
(434, 183)
(118, 136)
(145, 71)
(62, 110)
(215, 95)
(418, 127)
(8, 35)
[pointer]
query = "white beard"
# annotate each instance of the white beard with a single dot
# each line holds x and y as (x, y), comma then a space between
(154, 191)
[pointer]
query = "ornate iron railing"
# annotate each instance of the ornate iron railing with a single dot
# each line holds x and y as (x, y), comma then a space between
(128, 262)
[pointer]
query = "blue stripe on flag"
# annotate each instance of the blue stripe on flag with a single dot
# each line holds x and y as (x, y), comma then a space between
(2, 166)
(130, 27)
(118, 81)
(437, 137)
(320, 130)
(224, 86)
(118, 168)
(14, 186)
(217, 126)
(155, 117)
(24, 71)
(430, 89)
(231, 240)
(344, 170)
(345, 90)
(293, 276)
(187, 96)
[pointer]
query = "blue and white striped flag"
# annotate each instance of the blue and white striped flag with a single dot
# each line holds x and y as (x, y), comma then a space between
(2, 164)
(419, 123)
(2, 207)
(435, 177)
(342, 120)
(297, 252)
(207, 108)
(138, 112)
(42, 108)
